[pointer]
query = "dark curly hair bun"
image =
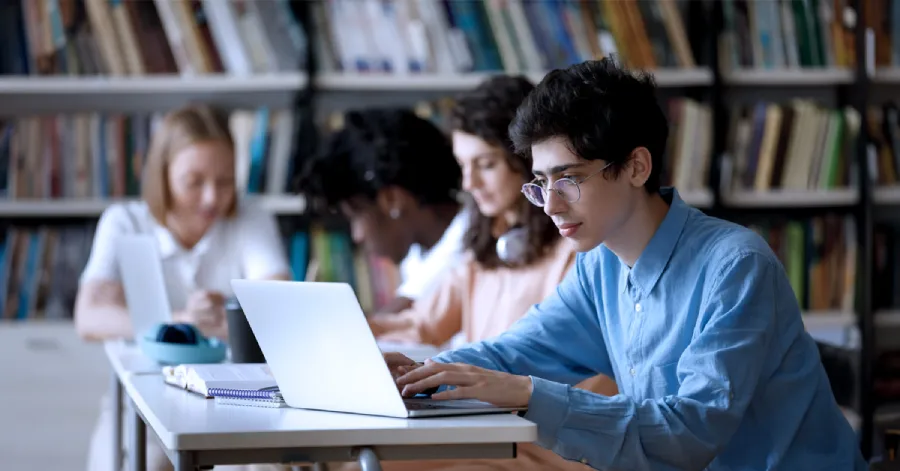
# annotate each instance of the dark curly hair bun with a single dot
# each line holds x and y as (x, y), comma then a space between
(381, 147)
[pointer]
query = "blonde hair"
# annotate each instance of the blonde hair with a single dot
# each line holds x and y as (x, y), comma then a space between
(179, 129)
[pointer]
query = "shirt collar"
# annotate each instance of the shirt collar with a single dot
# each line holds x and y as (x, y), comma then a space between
(653, 260)
(169, 246)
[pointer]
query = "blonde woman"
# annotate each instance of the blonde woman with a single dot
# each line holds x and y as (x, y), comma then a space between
(206, 236)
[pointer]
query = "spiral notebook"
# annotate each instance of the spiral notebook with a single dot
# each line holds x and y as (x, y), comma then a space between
(269, 393)
(272, 402)
(227, 379)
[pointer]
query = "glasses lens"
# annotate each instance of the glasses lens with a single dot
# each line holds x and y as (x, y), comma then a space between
(567, 189)
(534, 194)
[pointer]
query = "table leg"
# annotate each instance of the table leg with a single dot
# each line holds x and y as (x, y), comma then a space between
(184, 462)
(368, 460)
(138, 453)
(115, 394)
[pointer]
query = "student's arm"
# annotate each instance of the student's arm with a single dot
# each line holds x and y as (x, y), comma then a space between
(559, 339)
(717, 374)
(100, 311)
(263, 255)
(433, 320)
(398, 304)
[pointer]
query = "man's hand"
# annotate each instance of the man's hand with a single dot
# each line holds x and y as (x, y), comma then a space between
(471, 382)
(399, 364)
(206, 310)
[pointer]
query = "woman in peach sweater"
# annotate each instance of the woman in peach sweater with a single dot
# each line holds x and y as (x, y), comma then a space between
(485, 295)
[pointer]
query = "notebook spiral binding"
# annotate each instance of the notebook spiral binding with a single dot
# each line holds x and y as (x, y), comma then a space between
(264, 394)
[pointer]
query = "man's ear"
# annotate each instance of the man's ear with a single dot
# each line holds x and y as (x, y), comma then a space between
(641, 166)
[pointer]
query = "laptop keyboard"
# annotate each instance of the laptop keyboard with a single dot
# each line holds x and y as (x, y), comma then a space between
(418, 405)
(428, 404)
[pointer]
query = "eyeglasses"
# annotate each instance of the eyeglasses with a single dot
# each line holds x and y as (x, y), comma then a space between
(566, 188)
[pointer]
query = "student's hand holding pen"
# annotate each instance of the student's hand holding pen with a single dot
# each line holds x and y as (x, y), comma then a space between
(206, 310)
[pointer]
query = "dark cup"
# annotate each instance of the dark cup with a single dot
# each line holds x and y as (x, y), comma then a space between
(244, 347)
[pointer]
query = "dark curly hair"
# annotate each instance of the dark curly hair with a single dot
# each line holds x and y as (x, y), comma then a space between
(602, 110)
(486, 112)
(378, 148)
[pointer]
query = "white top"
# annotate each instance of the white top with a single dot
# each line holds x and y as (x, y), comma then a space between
(186, 421)
(420, 271)
(248, 245)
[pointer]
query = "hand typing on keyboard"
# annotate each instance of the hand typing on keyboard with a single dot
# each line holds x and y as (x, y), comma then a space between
(400, 365)
(467, 381)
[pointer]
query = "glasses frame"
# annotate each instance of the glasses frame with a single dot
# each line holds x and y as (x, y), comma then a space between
(546, 191)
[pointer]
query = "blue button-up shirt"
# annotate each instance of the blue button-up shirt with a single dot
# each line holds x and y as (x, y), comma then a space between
(706, 343)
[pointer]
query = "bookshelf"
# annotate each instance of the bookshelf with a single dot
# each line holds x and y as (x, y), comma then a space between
(705, 53)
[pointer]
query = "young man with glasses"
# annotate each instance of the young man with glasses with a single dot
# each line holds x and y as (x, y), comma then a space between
(693, 316)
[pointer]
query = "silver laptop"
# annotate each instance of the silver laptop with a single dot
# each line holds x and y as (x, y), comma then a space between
(323, 355)
(140, 267)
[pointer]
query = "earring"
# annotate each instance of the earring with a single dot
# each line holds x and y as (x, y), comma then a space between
(395, 213)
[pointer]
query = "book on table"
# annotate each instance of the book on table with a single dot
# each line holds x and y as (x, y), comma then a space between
(234, 380)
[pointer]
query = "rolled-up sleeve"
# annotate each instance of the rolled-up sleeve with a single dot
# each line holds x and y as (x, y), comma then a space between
(103, 265)
(717, 376)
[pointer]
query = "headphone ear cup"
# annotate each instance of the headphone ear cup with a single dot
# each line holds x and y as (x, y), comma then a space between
(185, 334)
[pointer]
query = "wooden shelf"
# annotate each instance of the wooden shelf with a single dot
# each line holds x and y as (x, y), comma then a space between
(887, 75)
(129, 94)
(102, 85)
(887, 318)
(73, 207)
(782, 77)
(791, 198)
(828, 319)
(886, 195)
(702, 198)
(456, 82)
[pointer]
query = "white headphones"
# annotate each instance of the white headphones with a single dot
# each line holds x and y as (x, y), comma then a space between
(512, 245)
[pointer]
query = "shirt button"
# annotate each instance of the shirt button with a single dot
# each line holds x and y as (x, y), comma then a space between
(632, 372)
(584, 461)
(637, 307)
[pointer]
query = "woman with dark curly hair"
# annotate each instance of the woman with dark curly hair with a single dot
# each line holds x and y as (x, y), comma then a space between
(515, 255)
(394, 177)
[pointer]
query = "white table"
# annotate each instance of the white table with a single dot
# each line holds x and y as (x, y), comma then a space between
(126, 359)
(198, 433)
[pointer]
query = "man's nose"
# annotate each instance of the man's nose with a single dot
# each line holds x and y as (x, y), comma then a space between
(554, 203)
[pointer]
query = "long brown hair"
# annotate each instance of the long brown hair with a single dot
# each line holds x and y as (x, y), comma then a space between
(486, 112)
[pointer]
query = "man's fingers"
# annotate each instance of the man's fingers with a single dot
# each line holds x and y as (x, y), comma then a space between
(420, 373)
(394, 360)
(442, 378)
